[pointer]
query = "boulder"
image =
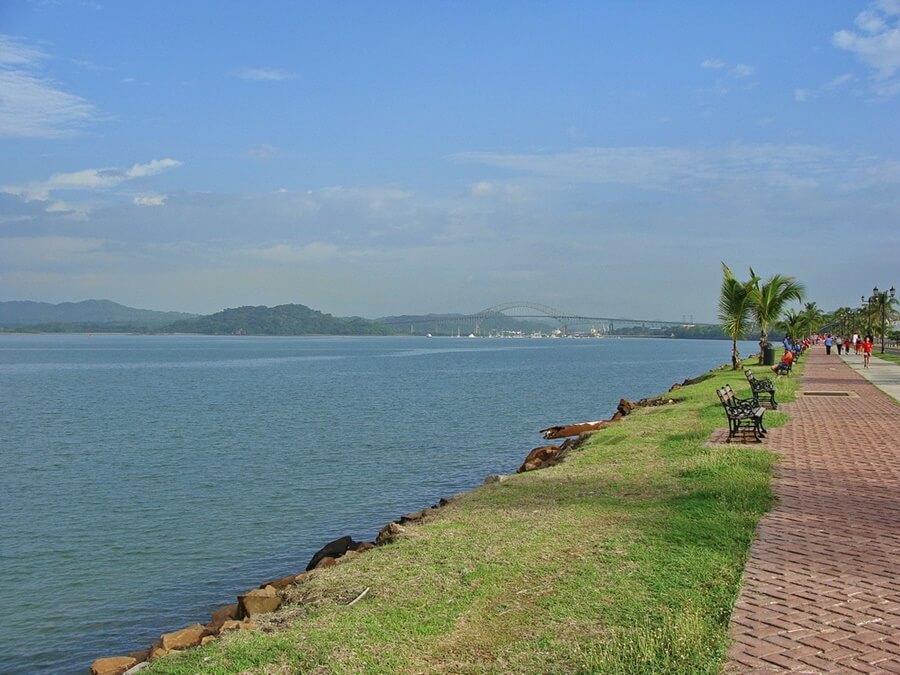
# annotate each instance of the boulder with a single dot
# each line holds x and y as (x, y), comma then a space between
(258, 601)
(625, 406)
(390, 533)
(327, 561)
(112, 665)
(157, 651)
(237, 625)
(221, 615)
(333, 549)
(184, 638)
(538, 458)
(363, 546)
(417, 516)
(206, 639)
(284, 582)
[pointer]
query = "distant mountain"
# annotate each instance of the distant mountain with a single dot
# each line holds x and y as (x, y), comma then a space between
(90, 314)
(280, 320)
(450, 324)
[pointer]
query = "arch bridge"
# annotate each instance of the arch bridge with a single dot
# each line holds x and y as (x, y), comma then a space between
(563, 321)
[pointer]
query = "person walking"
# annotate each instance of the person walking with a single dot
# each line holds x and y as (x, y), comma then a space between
(867, 350)
(828, 343)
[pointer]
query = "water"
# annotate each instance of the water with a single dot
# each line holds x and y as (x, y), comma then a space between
(146, 480)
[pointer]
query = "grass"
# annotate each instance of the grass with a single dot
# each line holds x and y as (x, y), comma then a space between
(888, 357)
(626, 558)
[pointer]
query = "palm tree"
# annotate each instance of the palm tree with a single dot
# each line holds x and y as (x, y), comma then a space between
(813, 317)
(736, 300)
(770, 298)
(794, 323)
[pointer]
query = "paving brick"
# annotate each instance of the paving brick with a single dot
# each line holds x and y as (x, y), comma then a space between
(821, 589)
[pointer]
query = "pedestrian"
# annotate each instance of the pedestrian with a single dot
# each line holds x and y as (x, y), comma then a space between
(847, 346)
(828, 343)
(867, 350)
(784, 366)
(839, 341)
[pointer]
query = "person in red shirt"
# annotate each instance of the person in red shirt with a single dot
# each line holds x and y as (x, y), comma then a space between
(867, 350)
(784, 366)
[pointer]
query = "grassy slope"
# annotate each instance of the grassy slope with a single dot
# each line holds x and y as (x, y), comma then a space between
(626, 558)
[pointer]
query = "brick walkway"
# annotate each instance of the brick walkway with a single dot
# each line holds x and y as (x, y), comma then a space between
(821, 590)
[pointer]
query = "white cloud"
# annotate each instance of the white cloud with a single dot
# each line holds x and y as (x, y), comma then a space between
(151, 168)
(31, 104)
(290, 253)
(264, 74)
(482, 189)
(150, 200)
(23, 252)
(263, 152)
(877, 45)
(88, 179)
(737, 71)
(713, 64)
(806, 94)
(671, 169)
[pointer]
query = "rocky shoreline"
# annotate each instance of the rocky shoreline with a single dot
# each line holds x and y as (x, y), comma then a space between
(270, 595)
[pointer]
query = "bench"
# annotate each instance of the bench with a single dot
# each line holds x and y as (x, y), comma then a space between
(763, 388)
(743, 414)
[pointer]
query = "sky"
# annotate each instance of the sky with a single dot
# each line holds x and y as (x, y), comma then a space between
(376, 158)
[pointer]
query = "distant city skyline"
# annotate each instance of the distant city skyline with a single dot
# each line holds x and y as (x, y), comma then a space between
(405, 158)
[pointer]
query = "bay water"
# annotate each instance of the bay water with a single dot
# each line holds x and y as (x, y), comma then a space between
(146, 480)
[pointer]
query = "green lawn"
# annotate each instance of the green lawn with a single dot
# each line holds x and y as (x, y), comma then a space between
(626, 558)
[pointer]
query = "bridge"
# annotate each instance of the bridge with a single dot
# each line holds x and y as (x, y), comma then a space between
(566, 322)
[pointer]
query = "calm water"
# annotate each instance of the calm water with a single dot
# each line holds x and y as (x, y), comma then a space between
(147, 480)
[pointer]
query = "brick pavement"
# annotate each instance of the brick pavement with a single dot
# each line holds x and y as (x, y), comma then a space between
(821, 589)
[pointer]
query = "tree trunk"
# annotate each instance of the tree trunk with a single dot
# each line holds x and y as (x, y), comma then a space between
(763, 343)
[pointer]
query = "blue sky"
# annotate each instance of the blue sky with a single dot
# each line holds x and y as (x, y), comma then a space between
(377, 158)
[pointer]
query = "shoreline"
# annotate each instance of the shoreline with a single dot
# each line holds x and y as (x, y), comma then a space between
(268, 596)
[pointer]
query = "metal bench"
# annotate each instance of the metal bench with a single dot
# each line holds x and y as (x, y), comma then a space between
(763, 388)
(744, 415)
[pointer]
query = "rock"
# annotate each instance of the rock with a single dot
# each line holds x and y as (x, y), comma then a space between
(417, 516)
(140, 656)
(258, 601)
(237, 625)
(221, 615)
(333, 549)
(112, 665)
(184, 638)
(134, 670)
(538, 458)
(363, 546)
(327, 561)
(390, 533)
(284, 582)
(157, 651)
(625, 406)
(206, 639)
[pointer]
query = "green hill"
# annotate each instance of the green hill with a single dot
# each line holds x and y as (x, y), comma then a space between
(96, 315)
(280, 320)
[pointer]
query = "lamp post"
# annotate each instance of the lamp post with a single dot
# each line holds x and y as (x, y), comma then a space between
(883, 299)
(864, 312)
